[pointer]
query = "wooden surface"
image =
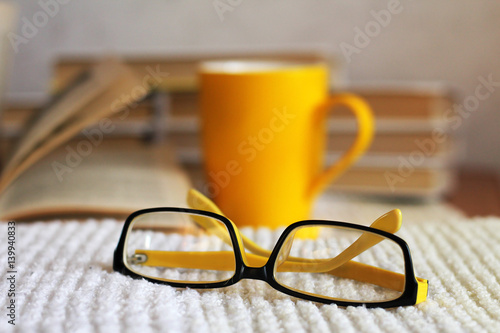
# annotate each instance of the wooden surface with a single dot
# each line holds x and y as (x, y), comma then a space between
(477, 193)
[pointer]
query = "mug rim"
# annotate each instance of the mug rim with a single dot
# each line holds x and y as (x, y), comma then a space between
(249, 66)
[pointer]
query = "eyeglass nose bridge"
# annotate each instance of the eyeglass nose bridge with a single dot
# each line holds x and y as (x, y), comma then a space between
(255, 273)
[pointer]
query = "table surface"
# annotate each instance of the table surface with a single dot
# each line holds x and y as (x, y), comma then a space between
(477, 193)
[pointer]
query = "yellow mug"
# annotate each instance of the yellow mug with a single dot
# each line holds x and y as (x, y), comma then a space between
(263, 138)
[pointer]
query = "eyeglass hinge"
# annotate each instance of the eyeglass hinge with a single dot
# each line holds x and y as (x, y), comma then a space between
(137, 258)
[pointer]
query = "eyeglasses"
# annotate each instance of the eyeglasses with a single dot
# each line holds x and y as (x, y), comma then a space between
(321, 261)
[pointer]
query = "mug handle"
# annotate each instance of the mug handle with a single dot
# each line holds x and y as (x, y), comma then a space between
(366, 124)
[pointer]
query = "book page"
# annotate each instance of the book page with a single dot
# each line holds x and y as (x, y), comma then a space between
(66, 106)
(112, 180)
(109, 102)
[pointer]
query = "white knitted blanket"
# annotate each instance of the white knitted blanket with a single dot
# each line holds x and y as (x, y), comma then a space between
(65, 283)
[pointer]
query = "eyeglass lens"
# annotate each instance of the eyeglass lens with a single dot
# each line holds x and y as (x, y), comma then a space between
(341, 264)
(180, 247)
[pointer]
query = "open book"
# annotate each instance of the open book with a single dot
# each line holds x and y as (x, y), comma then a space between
(47, 174)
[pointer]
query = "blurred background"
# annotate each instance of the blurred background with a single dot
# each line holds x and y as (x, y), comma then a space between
(447, 48)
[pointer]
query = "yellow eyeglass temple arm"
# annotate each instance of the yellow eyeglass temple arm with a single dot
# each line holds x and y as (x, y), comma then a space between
(224, 261)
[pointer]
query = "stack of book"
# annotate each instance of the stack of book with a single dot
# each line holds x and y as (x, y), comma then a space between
(411, 155)
(174, 106)
(174, 78)
(413, 149)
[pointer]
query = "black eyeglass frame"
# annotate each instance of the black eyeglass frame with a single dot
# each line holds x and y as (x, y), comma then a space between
(266, 272)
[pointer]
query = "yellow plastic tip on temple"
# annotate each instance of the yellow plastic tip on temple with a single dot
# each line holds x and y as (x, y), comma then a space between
(389, 222)
(423, 287)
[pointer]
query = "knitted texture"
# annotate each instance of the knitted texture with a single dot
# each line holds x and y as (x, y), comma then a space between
(65, 283)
